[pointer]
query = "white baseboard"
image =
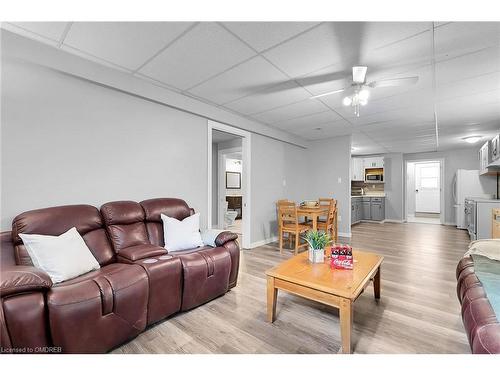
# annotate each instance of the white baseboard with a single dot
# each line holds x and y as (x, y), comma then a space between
(263, 242)
(451, 224)
(393, 221)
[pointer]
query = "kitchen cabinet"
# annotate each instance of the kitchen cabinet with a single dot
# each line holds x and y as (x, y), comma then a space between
(377, 209)
(483, 158)
(375, 162)
(366, 209)
(495, 148)
(357, 169)
(360, 164)
(355, 210)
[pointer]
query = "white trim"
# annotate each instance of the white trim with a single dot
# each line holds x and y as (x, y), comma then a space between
(343, 234)
(393, 221)
(442, 214)
(262, 242)
(246, 188)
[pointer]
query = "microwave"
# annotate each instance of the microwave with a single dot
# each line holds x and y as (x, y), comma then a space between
(374, 177)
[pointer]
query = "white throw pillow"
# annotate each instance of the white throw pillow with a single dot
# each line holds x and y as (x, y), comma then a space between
(181, 235)
(62, 257)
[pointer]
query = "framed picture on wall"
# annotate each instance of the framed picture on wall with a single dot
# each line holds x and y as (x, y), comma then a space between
(233, 180)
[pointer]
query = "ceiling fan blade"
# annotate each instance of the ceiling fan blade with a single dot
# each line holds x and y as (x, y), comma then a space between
(394, 82)
(327, 93)
(359, 74)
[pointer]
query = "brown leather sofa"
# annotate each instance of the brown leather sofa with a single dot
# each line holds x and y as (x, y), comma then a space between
(480, 322)
(139, 282)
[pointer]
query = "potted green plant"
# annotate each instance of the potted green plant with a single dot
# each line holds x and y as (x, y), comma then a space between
(317, 242)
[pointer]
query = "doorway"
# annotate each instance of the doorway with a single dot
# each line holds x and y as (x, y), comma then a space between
(229, 177)
(424, 192)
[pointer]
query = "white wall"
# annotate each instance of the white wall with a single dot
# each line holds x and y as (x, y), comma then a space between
(410, 188)
(329, 160)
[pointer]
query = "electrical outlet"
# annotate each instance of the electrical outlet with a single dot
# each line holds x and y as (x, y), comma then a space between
(340, 218)
(284, 183)
(339, 180)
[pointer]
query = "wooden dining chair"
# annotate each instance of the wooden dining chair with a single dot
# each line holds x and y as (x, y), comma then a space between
(329, 224)
(288, 222)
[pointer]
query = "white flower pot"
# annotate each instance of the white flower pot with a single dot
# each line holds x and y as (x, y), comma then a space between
(316, 255)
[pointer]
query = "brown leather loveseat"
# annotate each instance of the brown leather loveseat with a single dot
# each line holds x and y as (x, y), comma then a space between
(139, 282)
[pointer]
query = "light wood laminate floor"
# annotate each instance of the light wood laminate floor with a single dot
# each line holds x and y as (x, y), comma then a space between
(417, 313)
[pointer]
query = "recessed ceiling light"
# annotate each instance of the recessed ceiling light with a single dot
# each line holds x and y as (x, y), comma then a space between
(472, 139)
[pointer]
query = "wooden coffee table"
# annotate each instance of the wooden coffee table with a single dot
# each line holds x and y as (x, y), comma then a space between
(318, 282)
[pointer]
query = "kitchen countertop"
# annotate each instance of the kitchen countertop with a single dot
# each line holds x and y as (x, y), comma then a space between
(369, 196)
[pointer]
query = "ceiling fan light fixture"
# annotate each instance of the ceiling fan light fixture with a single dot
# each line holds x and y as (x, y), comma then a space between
(364, 94)
(472, 139)
(347, 101)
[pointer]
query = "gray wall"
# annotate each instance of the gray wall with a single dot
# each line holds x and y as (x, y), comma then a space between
(393, 187)
(327, 161)
(466, 158)
(273, 163)
(65, 141)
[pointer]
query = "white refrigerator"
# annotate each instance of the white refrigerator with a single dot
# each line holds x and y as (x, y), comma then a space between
(469, 184)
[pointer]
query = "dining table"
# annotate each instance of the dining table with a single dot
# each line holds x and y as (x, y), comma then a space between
(313, 213)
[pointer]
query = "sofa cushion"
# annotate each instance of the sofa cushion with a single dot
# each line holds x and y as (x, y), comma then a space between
(153, 208)
(124, 222)
(97, 311)
(54, 221)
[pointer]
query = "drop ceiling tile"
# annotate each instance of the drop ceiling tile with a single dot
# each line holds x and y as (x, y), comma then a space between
(128, 44)
(484, 83)
(275, 96)
(468, 65)
(329, 131)
(303, 108)
(458, 37)
(47, 32)
(308, 52)
(262, 35)
(238, 81)
(206, 50)
(310, 121)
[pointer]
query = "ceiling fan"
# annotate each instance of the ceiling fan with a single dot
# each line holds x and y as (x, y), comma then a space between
(358, 91)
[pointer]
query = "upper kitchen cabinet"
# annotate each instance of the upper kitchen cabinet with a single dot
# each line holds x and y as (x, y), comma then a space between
(374, 162)
(357, 169)
(489, 157)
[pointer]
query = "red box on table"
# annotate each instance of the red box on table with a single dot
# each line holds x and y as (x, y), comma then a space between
(341, 258)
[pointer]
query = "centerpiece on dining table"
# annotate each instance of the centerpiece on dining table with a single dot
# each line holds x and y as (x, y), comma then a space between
(317, 241)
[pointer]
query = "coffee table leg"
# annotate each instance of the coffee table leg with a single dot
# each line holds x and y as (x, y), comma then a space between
(272, 294)
(376, 284)
(346, 315)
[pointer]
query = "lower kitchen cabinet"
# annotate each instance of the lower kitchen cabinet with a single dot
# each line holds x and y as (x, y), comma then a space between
(367, 208)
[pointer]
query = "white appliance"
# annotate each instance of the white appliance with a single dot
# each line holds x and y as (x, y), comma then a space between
(478, 213)
(468, 183)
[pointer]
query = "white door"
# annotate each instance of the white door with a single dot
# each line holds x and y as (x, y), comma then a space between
(427, 187)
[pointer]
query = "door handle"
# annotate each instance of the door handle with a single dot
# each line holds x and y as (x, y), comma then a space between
(416, 190)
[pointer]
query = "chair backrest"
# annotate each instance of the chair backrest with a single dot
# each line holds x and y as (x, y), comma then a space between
(287, 215)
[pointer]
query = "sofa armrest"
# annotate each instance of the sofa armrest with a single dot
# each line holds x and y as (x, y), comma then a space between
(134, 253)
(19, 279)
(224, 237)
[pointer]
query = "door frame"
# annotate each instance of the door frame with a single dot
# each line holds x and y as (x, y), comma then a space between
(246, 144)
(442, 206)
